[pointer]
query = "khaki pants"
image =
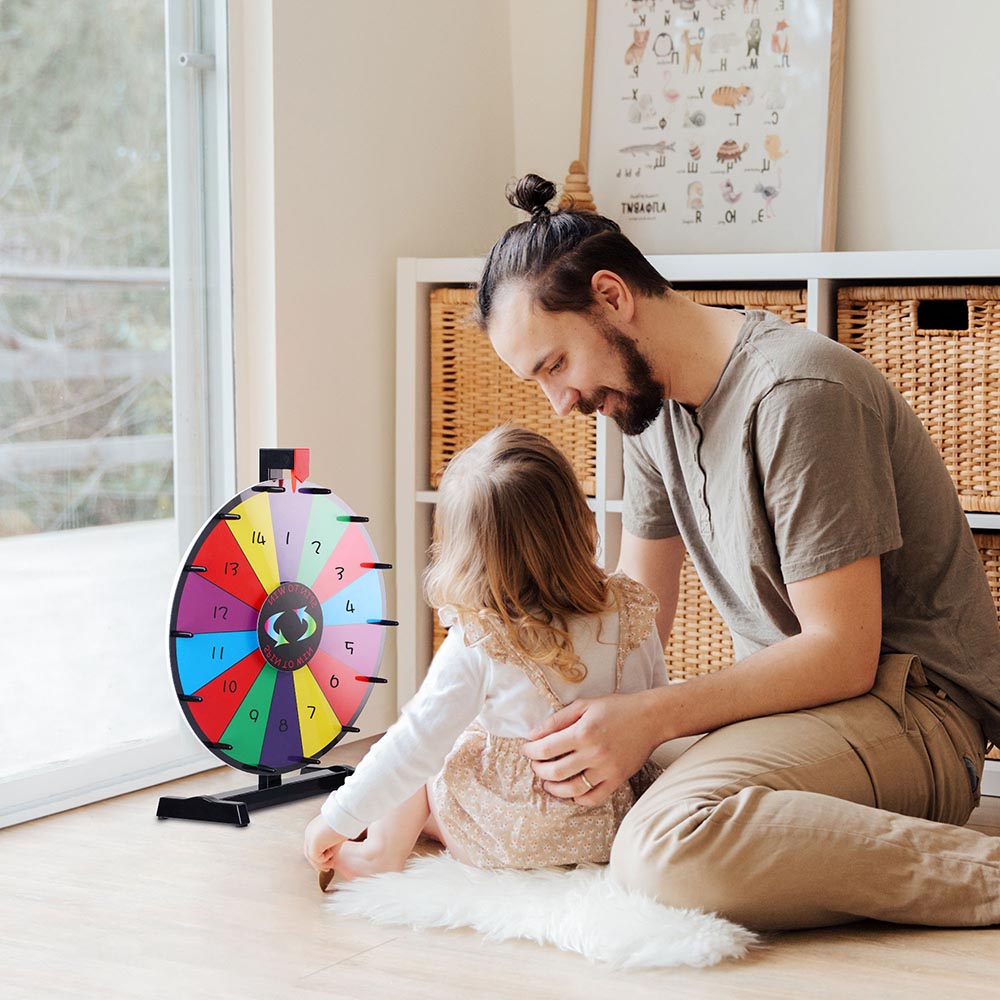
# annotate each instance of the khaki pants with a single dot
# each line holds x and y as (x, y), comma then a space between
(824, 816)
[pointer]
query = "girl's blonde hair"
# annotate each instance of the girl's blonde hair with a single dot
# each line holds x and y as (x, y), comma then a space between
(514, 546)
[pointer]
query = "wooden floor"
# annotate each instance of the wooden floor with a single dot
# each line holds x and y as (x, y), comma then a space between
(106, 901)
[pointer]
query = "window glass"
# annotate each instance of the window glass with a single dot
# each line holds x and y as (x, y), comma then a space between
(87, 540)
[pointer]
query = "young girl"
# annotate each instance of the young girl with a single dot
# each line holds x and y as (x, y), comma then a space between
(535, 623)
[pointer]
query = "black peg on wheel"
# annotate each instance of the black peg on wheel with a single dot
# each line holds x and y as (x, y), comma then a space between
(190, 697)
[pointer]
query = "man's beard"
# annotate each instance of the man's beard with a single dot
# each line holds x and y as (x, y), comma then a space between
(643, 400)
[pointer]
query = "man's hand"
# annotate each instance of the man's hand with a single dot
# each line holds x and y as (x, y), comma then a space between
(606, 740)
(321, 844)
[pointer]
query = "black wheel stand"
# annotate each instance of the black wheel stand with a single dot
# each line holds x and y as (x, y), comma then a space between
(234, 807)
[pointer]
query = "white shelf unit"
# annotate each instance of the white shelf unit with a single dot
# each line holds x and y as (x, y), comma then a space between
(820, 273)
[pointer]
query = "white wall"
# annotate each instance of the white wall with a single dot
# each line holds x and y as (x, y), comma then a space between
(546, 58)
(393, 136)
(920, 142)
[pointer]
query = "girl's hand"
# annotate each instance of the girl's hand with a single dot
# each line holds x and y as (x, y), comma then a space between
(321, 844)
(606, 740)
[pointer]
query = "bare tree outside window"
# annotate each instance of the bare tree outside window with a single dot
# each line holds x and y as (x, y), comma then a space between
(85, 385)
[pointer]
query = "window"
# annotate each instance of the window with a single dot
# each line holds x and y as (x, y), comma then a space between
(116, 417)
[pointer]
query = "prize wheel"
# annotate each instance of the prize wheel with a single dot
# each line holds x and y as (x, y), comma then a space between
(276, 629)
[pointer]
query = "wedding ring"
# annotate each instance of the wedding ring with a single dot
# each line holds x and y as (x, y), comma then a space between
(590, 787)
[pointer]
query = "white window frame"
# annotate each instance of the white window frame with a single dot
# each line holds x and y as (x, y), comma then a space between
(201, 307)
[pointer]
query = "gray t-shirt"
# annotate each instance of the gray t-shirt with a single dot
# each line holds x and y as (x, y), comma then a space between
(804, 459)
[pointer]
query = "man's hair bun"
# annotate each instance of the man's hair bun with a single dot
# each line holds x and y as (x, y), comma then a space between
(532, 194)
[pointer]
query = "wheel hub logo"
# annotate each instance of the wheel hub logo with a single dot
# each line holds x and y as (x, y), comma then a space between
(290, 626)
(277, 626)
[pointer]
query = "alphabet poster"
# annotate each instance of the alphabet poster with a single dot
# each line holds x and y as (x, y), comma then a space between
(714, 124)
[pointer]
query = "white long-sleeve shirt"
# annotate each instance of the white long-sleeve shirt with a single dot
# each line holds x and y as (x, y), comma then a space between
(465, 684)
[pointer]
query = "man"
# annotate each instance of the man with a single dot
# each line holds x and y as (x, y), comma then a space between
(828, 533)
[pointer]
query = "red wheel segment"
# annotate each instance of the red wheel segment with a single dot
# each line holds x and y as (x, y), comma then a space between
(227, 566)
(223, 695)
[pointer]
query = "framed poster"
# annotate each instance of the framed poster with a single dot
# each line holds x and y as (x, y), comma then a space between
(714, 125)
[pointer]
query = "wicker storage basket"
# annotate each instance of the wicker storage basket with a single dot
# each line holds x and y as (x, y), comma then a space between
(473, 391)
(951, 378)
(788, 303)
(989, 550)
(699, 640)
(701, 643)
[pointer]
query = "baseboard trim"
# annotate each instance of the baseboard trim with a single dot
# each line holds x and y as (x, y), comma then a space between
(68, 785)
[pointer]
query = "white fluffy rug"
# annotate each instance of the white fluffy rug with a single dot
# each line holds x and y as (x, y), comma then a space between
(579, 910)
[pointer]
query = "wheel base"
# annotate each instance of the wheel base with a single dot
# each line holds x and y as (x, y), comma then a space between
(234, 807)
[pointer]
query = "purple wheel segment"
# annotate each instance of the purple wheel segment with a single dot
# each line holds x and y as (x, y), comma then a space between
(282, 741)
(204, 607)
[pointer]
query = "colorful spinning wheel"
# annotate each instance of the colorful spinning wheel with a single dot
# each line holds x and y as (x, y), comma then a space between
(278, 623)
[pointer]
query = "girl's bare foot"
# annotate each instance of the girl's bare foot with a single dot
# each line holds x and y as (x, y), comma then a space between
(388, 842)
(326, 877)
(356, 860)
